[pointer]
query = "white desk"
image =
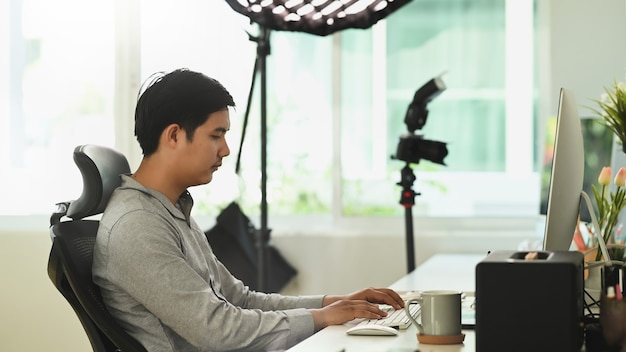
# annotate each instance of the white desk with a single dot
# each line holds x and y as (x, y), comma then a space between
(444, 271)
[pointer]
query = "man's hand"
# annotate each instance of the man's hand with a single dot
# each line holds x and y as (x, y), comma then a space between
(373, 295)
(360, 304)
(342, 311)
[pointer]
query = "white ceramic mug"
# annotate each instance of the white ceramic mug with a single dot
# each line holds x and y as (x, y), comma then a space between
(440, 312)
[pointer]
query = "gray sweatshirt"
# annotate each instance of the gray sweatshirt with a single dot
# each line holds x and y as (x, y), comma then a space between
(160, 279)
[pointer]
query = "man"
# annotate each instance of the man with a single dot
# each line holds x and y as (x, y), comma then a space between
(156, 270)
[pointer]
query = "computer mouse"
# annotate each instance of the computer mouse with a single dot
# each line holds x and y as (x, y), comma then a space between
(372, 330)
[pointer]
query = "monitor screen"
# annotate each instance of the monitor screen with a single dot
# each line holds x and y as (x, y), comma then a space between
(566, 180)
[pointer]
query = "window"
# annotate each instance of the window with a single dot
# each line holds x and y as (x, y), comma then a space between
(336, 104)
(485, 115)
(58, 93)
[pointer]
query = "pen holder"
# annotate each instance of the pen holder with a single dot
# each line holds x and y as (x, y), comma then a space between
(613, 309)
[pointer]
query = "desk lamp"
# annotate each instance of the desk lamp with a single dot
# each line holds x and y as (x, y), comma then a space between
(318, 17)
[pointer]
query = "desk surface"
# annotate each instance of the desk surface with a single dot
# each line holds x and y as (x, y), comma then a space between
(442, 271)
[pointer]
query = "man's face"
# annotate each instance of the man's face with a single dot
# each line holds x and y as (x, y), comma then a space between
(201, 157)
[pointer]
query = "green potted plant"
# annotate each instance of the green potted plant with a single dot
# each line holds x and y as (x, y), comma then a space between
(612, 108)
(610, 205)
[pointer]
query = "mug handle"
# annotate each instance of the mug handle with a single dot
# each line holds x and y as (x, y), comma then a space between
(419, 326)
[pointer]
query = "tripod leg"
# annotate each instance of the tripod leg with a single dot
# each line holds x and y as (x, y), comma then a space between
(410, 252)
(407, 200)
(247, 113)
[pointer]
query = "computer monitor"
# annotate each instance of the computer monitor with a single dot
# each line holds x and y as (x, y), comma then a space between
(566, 180)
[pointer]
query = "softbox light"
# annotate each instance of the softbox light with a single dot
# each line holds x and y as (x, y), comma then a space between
(319, 17)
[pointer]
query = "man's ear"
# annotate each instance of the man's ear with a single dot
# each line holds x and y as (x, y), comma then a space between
(172, 134)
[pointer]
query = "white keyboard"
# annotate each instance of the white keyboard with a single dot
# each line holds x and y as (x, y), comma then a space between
(395, 318)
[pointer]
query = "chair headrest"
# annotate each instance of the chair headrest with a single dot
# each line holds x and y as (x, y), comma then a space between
(101, 168)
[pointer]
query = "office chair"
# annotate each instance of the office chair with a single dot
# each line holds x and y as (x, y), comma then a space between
(71, 256)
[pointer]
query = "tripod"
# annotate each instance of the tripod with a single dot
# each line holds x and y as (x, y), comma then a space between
(407, 200)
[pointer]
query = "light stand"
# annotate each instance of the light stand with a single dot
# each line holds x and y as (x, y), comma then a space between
(262, 235)
(321, 17)
(411, 149)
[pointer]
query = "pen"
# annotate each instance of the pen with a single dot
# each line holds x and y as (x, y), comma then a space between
(620, 280)
(618, 233)
(610, 292)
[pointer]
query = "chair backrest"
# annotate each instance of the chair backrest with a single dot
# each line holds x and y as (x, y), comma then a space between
(71, 256)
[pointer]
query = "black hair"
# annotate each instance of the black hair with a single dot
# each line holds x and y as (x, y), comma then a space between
(183, 97)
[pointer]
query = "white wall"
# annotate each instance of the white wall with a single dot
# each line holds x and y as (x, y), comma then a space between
(34, 316)
(583, 48)
(585, 42)
(328, 263)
